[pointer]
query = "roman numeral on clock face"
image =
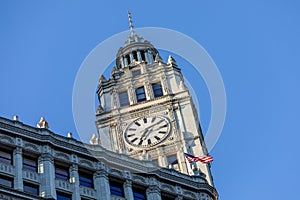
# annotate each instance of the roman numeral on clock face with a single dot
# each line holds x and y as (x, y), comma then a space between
(162, 132)
(145, 120)
(163, 126)
(156, 137)
(138, 124)
(134, 140)
(141, 142)
(130, 135)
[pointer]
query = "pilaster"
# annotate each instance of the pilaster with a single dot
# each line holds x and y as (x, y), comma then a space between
(18, 164)
(74, 178)
(162, 159)
(47, 173)
(153, 191)
(128, 189)
(164, 85)
(101, 182)
(148, 88)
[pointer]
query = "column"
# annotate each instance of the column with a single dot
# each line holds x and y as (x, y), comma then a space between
(47, 174)
(150, 56)
(102, 184)
(74, 176)
(139, 56)
(18, 163)
(146, 56)
(125, 61)
(131, 57)
(128, 189)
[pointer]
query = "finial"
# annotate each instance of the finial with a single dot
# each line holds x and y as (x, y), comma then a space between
(94, 139)
(42, 123)
(130, 23)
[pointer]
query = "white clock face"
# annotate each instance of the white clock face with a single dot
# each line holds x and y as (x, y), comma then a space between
(147, 131)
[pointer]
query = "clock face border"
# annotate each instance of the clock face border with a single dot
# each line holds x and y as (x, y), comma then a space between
(152, 130)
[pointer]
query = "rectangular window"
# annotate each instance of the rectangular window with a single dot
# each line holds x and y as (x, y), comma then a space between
(140, 94)
(172, 160)
(31, 188)
(29, 163)
(166, 196)
(62, 173)
(157, 90)
(139, 193)
(6, 181)
(63, 196)
(123, 98)
(136, 73)
(86, 179)
(116, 188)
(6, 156)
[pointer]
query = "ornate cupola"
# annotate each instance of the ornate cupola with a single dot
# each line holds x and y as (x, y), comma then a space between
(136, 49)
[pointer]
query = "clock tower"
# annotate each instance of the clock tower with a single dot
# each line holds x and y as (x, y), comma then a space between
(146, 111)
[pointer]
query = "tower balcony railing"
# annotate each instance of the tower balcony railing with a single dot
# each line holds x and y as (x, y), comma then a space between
(7, 168)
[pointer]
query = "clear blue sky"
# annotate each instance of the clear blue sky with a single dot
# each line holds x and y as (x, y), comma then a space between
(254, 43)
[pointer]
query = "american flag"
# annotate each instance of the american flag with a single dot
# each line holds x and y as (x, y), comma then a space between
(195, 158)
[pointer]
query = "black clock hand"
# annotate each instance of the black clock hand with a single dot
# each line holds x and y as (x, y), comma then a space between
(144, 133)
(147, 135)
(156, 123)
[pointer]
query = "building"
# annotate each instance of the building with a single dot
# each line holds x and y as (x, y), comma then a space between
(146, 120)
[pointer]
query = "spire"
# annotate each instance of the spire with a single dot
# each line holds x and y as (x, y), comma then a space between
(133, 37)
(130, 24)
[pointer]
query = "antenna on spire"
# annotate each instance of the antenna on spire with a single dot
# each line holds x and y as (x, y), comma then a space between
(130, 24)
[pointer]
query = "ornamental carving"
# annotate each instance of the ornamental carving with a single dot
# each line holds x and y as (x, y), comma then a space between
(31, 147)
(62, 156)
(6, 139)
(139, 179)
(86, 163)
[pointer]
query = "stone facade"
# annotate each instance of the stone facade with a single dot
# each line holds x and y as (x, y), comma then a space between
(50, 151)
(139, 67)
(146, 120)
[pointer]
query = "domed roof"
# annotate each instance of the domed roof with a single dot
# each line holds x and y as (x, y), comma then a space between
(136, 49)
